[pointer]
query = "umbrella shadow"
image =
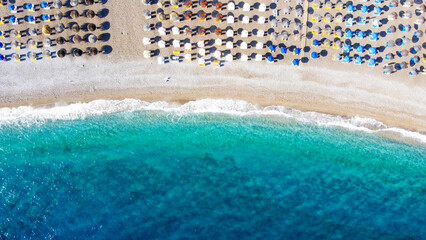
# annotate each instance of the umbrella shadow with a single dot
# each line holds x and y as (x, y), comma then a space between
(304, 60)
(104, 37)
(103, 13)
(324, 53)
(107, 49)
(105, 26)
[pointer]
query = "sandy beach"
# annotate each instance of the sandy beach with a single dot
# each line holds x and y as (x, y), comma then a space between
(321, 86)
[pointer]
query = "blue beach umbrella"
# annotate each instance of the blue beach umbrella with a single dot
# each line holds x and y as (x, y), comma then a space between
(297, 51)
(374, 36)
(270, 59)
(415, 60)
(315, 43)
(30, 18)
(360, 49)
(12, 19)
(346, 48)
(372, 62)
(346, 59)
(12, 7)
(283, 50)
(377, 10)
(360, 34)
(349, 34)
(372, 51)
(351, 8)
(44, 4)
(358, 60)
(2, 58)
(378, 1)
(29, 6)
(1, 45)
(296, 62)
(272, 48)
(45, 17)
(314, 55)
(364, 9)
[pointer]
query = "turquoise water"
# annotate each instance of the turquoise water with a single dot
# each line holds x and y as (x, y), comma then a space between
(158, 175)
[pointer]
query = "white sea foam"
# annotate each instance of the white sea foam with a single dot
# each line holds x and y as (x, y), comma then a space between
(29, 115)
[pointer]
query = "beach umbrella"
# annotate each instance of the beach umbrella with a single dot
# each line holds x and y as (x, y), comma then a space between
(374, 36)
(75, 27)
(244, 33)
(337, 43)
(283, 50)
(360, 34)
(299, 12)
(201, 44)
(389, 56)
(285, 35)
(316, 18)
(61, 53)
(13, 33)
(415, 49)
(57, 4)
(229, 45)
(259, 45)
(246, 7)
(58, 15)
(175, 30)
(201, 52)
(260, 33)
(336, 57)
(298, 37)
(246, 20)
(403, 53)
(372, 51)
(262, 7)
(230, 19)
(315, 43)
(47, 53)
(393, 3)
(16, 57)
(217, 54)
(295, 62)
(47, 42)
(285, 23)
(2, 45)
(415, 60)
(15, 45)
(32, 31)
(360, 49)
(346, 48)
(147, 54)
(32, 56)
(408, 3)
(328, 17)
(146, 41)
(29, 6)
(316, 30)
(339, 5)
(299, 2)
(46, 30)
(350, 21)
(406, 28)
(162, 31)
(218, 42)
(176, 43)
(229, 58)
(274, 23)
(229, 33)
(392, 16)
(372, 62)
(297, 51)
(219, 17)
(161, 16)
(407, 15)
(346, 59)
(338, 33)
(146, 14)
(74, 14)
(349, 34)
(161, 4)
(231, 6)
(188, 57)
(244, 58)
(339, 18)
(326, 43)
(188, 46)
(92, 38)
(73, 3)
(420, 20)
(328, 5)
(413, 71)
(405, 40)
(13, 20)
(90, 14)
(243, 45)
(218, 6)
(404, 65)
(76, 39)
(391, 29)
(390, 43)
(89, 2)
(146, 27)
(60, 40)
(350, 8)
(358, 60)
(298, 26)
(31, 43)
(377, 10)
(314, 55)
(201, 62)
(286, 10)
(327, 30)
(202, 15)
(161, 60)
(12, 8)
(59, 27)
(272, 48)
(270, 59)
(422, 8)
(364, 9)
(203, 3)
(274, 36)
(317, 3)
(91, 27)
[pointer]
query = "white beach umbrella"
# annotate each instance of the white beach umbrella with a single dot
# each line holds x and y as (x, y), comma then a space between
(261, 20)
(202, 52)
(162, 31)
(217, 54)
(175, 30)
(229, 45)
(246, 7)
(146, 27)
(176, 43)
(274, 23)
(243, 45)
(420, 20)
(229, 58)
(146, 14)
(47, 42)
(392, 16)
(146, 2)
(287, 10)
(201, 62)
(407, 14)
(218, 42)
(258, 57)
(92, 38)
(57, 4)
(73, 3)
(259, 45)
(408, 3)
(188, 57)
(161, 44)
(262, 7)
(230, 19)
(285, 23)
(188, 46)
(260, 33)
(231, 6)
(230, 33)
(246, 20)
(285, 35)
(244, 33)
(146, 41)
(200, 44)
(147, 54)
(299, 12)
(161, 60)
(244, 58)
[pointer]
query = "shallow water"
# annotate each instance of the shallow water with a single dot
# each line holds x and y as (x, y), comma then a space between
(163, 175)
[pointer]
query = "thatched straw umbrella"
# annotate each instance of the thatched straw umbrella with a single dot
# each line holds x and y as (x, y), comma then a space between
(91, 27)
(73, 3)
(77, 52)
(174, 16)
(146, 14)
(392, 16)
(75, 27)
(32, 31)
(93, 51)
(60, 40)
(90, 14)
(89, 2)
(47, 42)
(76, 39)
(46, 30)
(61, 53)
(47, 54)
(74, 14)
(57, 4)
(59, 27)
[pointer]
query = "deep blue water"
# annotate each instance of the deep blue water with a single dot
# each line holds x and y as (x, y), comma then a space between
(157, 175)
